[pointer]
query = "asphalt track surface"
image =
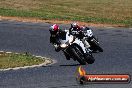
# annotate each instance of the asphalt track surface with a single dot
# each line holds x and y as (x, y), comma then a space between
(34, 38)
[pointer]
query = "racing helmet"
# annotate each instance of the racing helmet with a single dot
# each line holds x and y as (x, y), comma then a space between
(75, 25)
(54, 28)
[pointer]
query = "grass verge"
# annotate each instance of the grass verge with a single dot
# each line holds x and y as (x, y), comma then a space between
(90, 11)
(12, 60)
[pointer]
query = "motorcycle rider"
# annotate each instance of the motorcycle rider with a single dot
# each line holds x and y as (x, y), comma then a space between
(54, 38)
(57, 33)
(80, 30)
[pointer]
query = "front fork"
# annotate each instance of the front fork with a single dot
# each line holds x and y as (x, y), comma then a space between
(68, 54)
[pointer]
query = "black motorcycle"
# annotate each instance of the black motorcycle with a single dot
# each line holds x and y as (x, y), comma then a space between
(93, 42)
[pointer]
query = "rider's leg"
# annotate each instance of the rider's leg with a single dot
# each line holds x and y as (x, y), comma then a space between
(86, 45)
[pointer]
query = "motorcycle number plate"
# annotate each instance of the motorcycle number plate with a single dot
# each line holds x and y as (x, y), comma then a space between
(89, 33)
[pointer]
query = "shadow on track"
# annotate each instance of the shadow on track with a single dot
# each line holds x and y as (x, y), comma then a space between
(70, 65)
(67, 65)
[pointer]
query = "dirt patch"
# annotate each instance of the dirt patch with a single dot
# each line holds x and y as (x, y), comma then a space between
(36, 20)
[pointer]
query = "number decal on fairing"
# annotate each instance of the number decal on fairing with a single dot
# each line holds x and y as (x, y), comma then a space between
(89, 33)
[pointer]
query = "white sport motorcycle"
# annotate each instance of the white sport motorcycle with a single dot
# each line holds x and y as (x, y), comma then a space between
(75, 48)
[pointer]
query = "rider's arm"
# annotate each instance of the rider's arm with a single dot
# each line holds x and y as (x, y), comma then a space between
(70, 31)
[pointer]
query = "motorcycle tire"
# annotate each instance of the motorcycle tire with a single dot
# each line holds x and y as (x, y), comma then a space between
(89, 59)
(97, 47)
(75, 54)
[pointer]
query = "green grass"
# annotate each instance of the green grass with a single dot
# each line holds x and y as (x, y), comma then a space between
(18, 60)
(93, 11)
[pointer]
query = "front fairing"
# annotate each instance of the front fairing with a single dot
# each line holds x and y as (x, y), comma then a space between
(80, 43)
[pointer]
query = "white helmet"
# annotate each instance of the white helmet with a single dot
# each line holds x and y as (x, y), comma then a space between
(74, 25)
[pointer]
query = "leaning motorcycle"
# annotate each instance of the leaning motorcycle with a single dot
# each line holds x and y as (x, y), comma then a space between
(93, 42)
(75, 49)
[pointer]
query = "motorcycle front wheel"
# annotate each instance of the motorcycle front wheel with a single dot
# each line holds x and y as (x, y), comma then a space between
(99, 49)
(89, 59)
(95, 45)
(77, 54)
